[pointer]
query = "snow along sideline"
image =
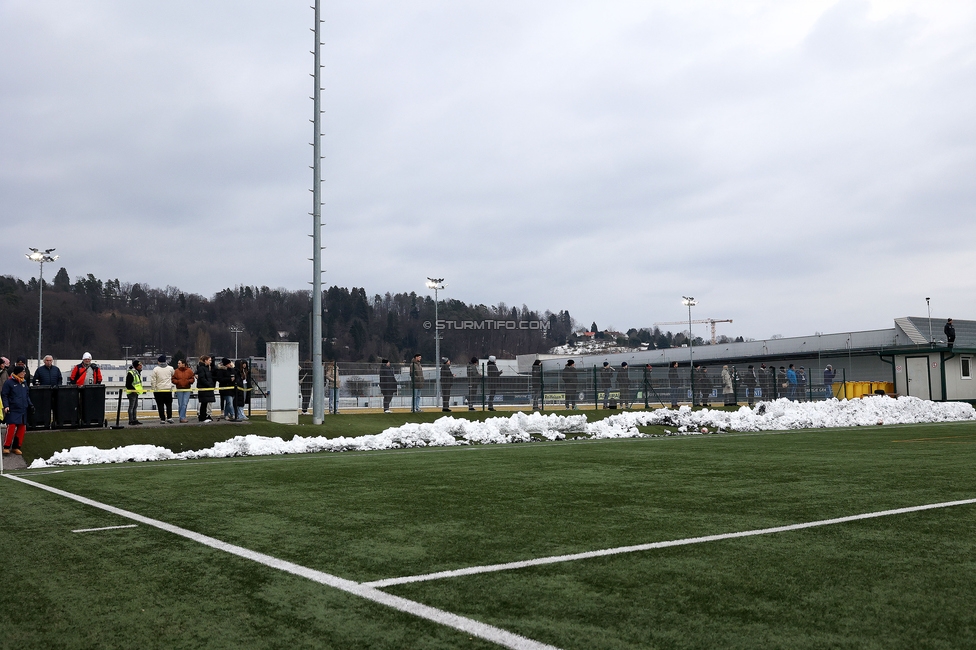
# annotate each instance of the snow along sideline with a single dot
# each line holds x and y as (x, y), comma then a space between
(524, 427)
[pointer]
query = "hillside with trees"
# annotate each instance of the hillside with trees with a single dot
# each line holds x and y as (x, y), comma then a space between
(111, 318)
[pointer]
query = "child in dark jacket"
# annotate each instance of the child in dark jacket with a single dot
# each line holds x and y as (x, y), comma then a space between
(16, 403)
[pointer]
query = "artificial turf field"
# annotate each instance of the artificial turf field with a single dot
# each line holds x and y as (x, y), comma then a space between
(899, 581)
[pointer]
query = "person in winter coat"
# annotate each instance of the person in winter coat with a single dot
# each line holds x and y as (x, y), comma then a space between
(205, 388)
(474, 382)
(133, 389)
(950, 332)
(416, 381)
(15, 396)
(606, 382)
(183, 379)
(4, 370)
(447, 380)
(623, 386)
(751, 380)
(85, 373)
(801, 383)
(224, 376)
(161, 385)
(828, 380)
(493, 378)
(388, 384)
(242, 388)
(675, 384)
(782, 382)
(48, 374)
(536, 384)
(791, 382)
(728, 390)
(570, 383)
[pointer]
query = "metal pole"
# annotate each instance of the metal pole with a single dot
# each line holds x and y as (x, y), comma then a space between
(318, 372)
(928, 306)
(437, 349)
(40, 312)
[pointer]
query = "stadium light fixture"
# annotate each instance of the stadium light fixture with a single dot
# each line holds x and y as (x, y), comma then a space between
(436, 284)
(690, 302)
(40, 257)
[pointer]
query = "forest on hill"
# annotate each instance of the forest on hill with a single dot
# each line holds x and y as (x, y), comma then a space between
(112, 319)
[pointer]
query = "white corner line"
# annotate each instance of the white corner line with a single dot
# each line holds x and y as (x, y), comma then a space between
(470, 626)
(490, 568)
(93, 530)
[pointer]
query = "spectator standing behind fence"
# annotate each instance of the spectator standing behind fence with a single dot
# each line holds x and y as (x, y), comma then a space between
(493, 375)
(4, 370)
(447, 380)
(161, 385)
(224, 376)
(606, 381)
(829, 374)
(765, 382)
(791, 382)
(623, 386)
(570, 384)
(782, 382)
(536, 383)
(205, 388)
(728, 391)
(133, 389)
(48, 374)
(474, 382)
(751, 380)
(674, 384)
(950, 332)
(416, 382)
(15, 396)
(242, 388)
(700, 396)
(801, 383)
(85, 373)
(183, 379)
(388, 384)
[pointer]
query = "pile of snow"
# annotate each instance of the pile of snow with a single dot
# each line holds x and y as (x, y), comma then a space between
(784, 414)
(524, 427)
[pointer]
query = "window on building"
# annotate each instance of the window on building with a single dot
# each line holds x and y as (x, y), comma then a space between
(967, 367)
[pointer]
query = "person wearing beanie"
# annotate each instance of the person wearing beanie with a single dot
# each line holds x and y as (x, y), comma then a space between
(388, 384)
(537, 384)
(161, 385)
(493, 380)
(606, 381)
(623, 386)
(85, 373)
(474, 382)
(15, 397)
(570, 383)
(447, 380)
(224, 376)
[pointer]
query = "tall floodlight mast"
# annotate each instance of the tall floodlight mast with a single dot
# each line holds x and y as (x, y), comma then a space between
(436, 284)
(318, 372)
(40, 257)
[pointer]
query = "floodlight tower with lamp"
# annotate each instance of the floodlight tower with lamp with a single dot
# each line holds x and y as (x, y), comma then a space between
(236, 329)
(40, 257)
(690, 302)
(436, 284)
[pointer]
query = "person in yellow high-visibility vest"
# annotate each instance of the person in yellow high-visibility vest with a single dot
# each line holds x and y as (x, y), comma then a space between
(133, 389)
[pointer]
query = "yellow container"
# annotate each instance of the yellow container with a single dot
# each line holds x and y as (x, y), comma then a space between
(857, 389)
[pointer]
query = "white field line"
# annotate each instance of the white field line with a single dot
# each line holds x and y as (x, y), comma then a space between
(490, 568)
(466, 625)
(93, 530)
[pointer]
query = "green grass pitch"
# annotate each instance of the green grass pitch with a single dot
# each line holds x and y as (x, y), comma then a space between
(901, 581)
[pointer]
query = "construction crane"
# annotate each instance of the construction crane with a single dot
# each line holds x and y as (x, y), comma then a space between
(710, 321)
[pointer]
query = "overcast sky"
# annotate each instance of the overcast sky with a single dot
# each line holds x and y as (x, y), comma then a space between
(795, 166)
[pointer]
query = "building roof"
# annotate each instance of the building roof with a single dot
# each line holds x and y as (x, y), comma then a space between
(916, 330)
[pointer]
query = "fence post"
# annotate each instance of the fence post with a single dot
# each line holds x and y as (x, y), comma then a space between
(845, 382)
(484, 373)
(596, 394)
(542, 388)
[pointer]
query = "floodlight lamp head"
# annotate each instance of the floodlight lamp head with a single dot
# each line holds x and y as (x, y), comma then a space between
(435, 283)
(689, 301)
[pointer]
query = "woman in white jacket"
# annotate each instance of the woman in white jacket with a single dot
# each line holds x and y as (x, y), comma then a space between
(161, 385)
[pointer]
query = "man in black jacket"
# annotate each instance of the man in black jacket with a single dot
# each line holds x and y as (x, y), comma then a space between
(205, 388)
(388, 384)
(570, 383)
(950, 332)
(224, 376)
(48, 374)
(447, 380)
